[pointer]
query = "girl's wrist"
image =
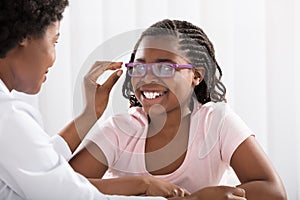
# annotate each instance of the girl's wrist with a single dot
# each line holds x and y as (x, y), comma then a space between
(145, 181)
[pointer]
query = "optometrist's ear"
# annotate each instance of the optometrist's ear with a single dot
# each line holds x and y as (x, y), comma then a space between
(24, 42)
(198, 75)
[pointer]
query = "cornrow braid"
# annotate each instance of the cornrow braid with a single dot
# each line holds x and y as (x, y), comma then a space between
(197, 48)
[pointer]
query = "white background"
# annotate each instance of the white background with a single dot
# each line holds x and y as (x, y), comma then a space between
(257, 46)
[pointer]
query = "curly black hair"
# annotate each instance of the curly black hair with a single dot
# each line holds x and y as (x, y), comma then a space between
(196, 46)
(22, 18)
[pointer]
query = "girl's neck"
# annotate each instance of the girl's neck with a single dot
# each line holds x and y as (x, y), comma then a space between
(167, 123)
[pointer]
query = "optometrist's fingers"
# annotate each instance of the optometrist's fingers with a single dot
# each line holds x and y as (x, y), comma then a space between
(110, 81)
(96, 96)
(99, 67)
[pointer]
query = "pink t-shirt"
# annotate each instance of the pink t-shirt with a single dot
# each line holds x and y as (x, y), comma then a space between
(215, 133)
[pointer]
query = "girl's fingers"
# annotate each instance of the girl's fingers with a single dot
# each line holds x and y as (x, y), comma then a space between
(239, 192)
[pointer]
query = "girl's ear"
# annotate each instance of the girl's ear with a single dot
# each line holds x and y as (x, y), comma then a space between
(198, 75)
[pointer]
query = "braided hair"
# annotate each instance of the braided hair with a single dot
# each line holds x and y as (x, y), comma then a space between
(196, 46)
(22, 18)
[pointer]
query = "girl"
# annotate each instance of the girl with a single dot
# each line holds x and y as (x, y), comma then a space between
(179, 135)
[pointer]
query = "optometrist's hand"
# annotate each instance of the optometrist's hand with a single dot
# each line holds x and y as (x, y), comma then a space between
(96, 95)
(158, 187)
(216, 193)
(96, 99)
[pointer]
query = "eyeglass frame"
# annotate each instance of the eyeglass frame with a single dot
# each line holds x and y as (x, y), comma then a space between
(147, 65)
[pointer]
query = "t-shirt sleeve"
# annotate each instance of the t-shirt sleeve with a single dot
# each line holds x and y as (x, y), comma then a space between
(104, 135)
(232, 133)
(118, 137)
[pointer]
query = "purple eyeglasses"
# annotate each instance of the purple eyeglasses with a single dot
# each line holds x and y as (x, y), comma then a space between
(162, 70)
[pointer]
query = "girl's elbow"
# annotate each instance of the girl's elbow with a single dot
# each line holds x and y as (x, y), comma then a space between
(280, 192)
(282, 195)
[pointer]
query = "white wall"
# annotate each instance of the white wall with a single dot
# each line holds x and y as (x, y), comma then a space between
(281, 90)
(297, 88)
(257, 46)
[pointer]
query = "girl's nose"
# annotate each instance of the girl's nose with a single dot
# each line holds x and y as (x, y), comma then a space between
(149, 77)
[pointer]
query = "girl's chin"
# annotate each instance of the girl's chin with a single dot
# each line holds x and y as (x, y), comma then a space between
(155, 109)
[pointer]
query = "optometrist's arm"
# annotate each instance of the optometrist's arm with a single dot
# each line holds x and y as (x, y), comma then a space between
(96, 97)
(138, 185)
(91, 162)
(32, 169)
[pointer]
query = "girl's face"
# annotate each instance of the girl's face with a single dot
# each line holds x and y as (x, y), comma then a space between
(34, 57)
(171, 93)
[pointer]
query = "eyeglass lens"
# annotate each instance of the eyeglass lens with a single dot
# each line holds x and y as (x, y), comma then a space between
(158, 69)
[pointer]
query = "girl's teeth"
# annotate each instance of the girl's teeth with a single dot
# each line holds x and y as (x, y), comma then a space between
(151, 95)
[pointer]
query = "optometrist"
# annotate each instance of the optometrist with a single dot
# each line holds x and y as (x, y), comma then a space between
(34, 165)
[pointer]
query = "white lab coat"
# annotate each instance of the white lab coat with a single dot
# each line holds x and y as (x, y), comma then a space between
(34, 165)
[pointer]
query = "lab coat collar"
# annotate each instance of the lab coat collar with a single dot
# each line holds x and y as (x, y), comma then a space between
(3, 87)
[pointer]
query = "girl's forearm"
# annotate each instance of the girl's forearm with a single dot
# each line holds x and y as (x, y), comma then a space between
(133, 185)
(264, 190)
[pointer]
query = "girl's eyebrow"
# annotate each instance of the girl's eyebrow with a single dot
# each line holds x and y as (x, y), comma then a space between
(140, 60)
(164, 60)
(157, 60)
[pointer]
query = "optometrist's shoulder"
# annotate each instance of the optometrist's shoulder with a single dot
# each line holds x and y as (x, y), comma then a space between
(180, 135)
(34, 165)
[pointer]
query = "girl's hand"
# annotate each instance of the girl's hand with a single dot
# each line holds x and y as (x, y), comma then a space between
(96, 95)
(158, 187)
(216, 193)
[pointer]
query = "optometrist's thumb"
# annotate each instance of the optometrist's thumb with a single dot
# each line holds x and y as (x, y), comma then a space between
(111, 80)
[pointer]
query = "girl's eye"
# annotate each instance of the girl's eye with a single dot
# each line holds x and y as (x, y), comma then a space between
(166, 67)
